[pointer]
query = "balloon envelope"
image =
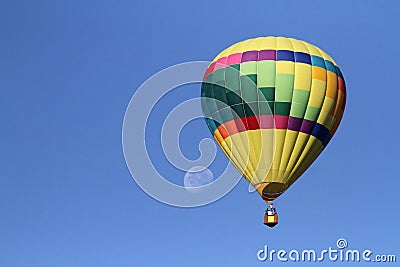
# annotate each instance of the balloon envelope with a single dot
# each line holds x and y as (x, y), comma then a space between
(273, 104)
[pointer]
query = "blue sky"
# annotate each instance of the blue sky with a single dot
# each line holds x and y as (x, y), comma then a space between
(67, 72)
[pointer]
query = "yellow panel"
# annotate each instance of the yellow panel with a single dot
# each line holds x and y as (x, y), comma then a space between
(312, 49)
(284, 44)
(323, 118)
(313, 148)
(228, 153)
(284, 67)
(302, 78)
(255, 145)
(242, 47)
(268, 43)
(298, 45)
(328, 105)
(240, 153)
(311, 140)
(255, 156)
(259, 43)
(329, 122)
(290, 140)
(325, 55)
(262, 146)
(279, 142)
(317, 93)
(301, 142)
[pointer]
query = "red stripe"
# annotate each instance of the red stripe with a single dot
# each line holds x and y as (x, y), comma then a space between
(209, 70)
(253, 123)
(341, 85)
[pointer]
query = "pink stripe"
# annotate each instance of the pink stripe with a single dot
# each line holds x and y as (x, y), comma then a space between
(234, 59)
(266, 121)
(281, 122)
(231, 127)
(240, 124)
(222, 60)
(221, 63)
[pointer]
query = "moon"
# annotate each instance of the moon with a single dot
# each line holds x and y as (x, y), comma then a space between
(197, 177)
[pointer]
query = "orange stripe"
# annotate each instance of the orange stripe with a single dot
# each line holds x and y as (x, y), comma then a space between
(222, 131)
(331, 86)
(319, 73)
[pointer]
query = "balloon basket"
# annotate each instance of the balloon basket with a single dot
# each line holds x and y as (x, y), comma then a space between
(271, 220)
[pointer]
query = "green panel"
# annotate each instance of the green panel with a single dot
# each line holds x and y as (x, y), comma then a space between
(284, 87)
(209, 77)
(226, 114)
(248, 68)
(249, 79)
(249, 88)
(268, 93)
(300, 96)
(298, 109)
(218, 75)
(217, 119)
(282, 108)
(232, 75)
(251, 109)
(238, 111)
(219, 94)
(235, 66)
(204, 106)
(212, 106)
(206, 88)
(311, 113)
(266, 108)
(266, 71)
(233, 97)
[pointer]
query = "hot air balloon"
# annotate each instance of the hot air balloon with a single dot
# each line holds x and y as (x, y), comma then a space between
(272, 105)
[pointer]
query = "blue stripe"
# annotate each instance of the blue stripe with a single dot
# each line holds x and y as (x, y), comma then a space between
(211, 124)
(285, 55)
(302, 57)
(330, 66)
(321, 133)
(339, 73)
(318, 61)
